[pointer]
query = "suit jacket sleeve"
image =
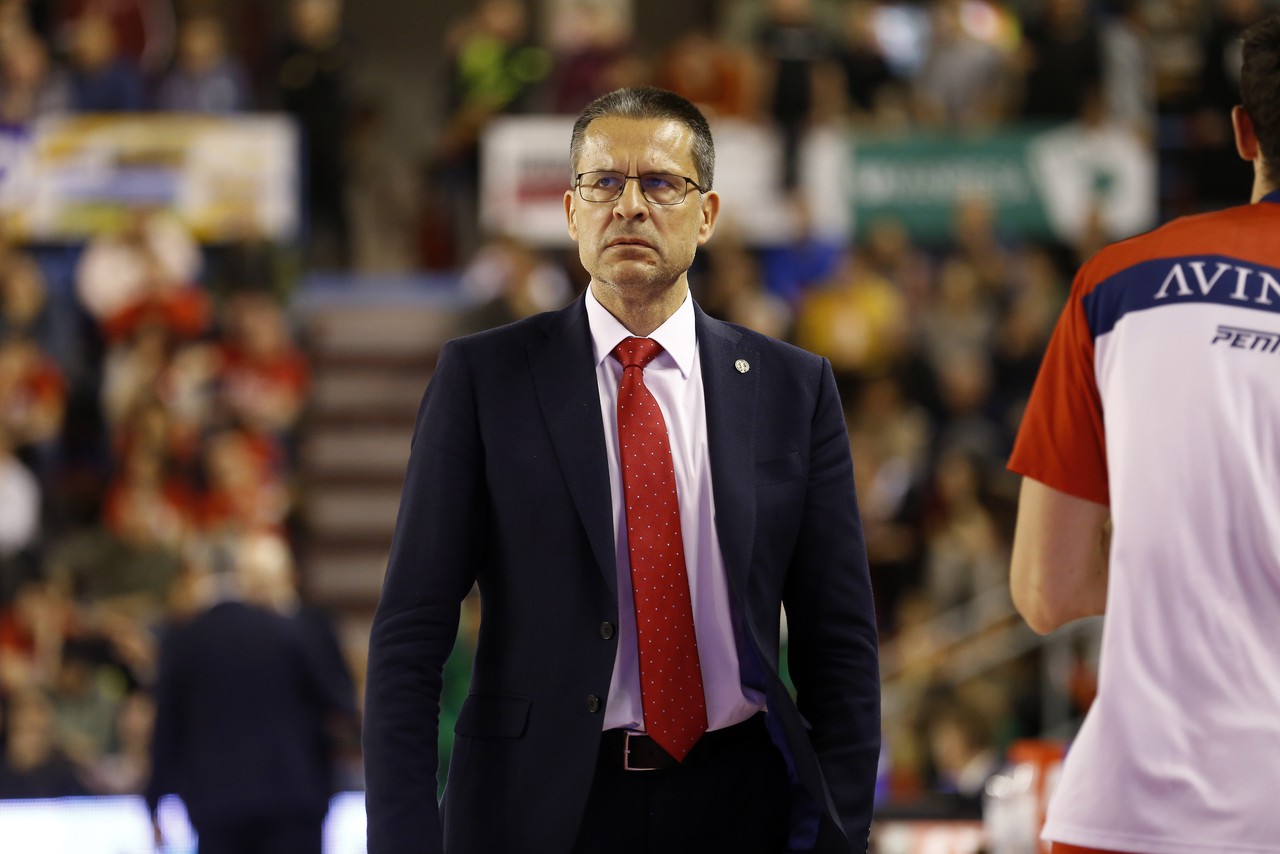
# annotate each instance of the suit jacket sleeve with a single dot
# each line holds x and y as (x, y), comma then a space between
(432, 566)
(832, 641)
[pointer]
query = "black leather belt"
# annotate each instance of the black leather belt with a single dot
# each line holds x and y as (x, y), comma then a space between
(633, 751)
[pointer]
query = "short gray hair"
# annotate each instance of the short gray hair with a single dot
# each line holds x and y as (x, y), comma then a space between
(649, 102)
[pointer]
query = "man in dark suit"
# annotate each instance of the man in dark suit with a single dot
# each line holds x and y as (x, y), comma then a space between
(637, 489)
(248, 700)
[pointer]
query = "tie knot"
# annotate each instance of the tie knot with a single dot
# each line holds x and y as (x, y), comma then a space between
(636, 352)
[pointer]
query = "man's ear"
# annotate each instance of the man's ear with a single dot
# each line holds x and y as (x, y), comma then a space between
(570, 209)
(1246, 137)
(710, 213)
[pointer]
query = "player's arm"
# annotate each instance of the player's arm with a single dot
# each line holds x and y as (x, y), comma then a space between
(1060, 547)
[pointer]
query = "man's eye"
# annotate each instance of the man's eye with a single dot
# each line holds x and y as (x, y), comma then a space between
(660, 183)
(606, 182)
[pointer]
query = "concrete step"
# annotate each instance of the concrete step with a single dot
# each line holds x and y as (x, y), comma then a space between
(346, 575)
(389, 330)
(358, 512)
(377, 449)
(339, 390)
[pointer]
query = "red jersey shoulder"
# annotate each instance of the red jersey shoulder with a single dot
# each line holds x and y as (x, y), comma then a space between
(1246, 232)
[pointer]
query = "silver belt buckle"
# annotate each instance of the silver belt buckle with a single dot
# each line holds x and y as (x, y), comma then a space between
(626, 753)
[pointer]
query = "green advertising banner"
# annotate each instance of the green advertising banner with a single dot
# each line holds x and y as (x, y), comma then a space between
(1041, 183)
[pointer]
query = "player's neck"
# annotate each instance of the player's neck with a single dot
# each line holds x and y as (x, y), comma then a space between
(1261, 185)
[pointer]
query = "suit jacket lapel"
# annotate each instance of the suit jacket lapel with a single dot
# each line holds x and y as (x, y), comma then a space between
(730, 393)
(565, 382)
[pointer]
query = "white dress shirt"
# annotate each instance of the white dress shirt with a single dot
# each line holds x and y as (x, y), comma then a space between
(674, 378)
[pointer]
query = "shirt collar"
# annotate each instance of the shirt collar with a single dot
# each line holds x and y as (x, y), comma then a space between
(677, 334)
(1273, 196)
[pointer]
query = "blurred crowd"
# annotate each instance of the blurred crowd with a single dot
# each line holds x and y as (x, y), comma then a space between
(150, 387)
(148, 433)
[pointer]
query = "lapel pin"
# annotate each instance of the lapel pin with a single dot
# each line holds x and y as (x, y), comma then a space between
(742, 366)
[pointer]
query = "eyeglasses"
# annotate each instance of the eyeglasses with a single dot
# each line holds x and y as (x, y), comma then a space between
(657, 187)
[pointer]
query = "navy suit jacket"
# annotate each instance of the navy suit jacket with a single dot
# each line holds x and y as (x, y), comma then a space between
(508, 485)
(244, 702)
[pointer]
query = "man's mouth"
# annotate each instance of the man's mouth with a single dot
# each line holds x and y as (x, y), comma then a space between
(630, 241)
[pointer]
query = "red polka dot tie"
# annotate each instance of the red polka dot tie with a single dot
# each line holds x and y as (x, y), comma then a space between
(675, 710)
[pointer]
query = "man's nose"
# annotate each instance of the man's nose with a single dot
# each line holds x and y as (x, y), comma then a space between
(632, 202)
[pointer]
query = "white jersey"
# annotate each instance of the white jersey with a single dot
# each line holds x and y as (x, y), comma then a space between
(1160, 397)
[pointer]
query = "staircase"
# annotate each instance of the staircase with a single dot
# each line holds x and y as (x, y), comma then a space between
(373, 346)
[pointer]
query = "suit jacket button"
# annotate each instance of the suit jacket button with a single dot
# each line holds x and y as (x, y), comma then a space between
(606, 630)
(593, 703)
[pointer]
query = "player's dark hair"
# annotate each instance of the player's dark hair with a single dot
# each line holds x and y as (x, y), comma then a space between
(648, 102)
(1260, 88)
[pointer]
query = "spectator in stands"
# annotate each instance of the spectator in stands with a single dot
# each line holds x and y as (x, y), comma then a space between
(866, 73)
(734, 290)
(384, 196)
(28, 87)
(101, 80)
(244, 492)
(33, 626)
(595, 54)
(1062, 61)
(20, 496)
(34, 766)
(145, 503)
(494, 67)
(964, 554)
(264, 373)
(795, 51)
(964, 82)
(1128, 69)
(856, 318)
(85, 700)
(205, 78)
(142, 30)
(124, 769)
(977, 244)
(243, 705)
(24, 304)
(510, 280)
(961, 318)
(717, 77)
(889, 435)
(312, 74)
(33, 401)
(962, 747)
(803, 258)
(121, 267)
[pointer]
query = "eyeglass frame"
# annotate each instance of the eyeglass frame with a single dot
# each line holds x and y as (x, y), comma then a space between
(577, 183)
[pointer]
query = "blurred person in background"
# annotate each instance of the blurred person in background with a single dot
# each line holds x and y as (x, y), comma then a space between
(965, 82)
(150, 253)
(796, 51)
(866, 73)
(595, 52)
(20, 496)
(511, 280)
(100, 78)
(733, 290)
(1148, 455)
(142, 30)
(494, 67)
(1062, 60)
(205, 78)
(29, 87)
(33, 764)
(33, 403)
(245, 705)
(313, 69)
(520, 481)
(716, 76)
